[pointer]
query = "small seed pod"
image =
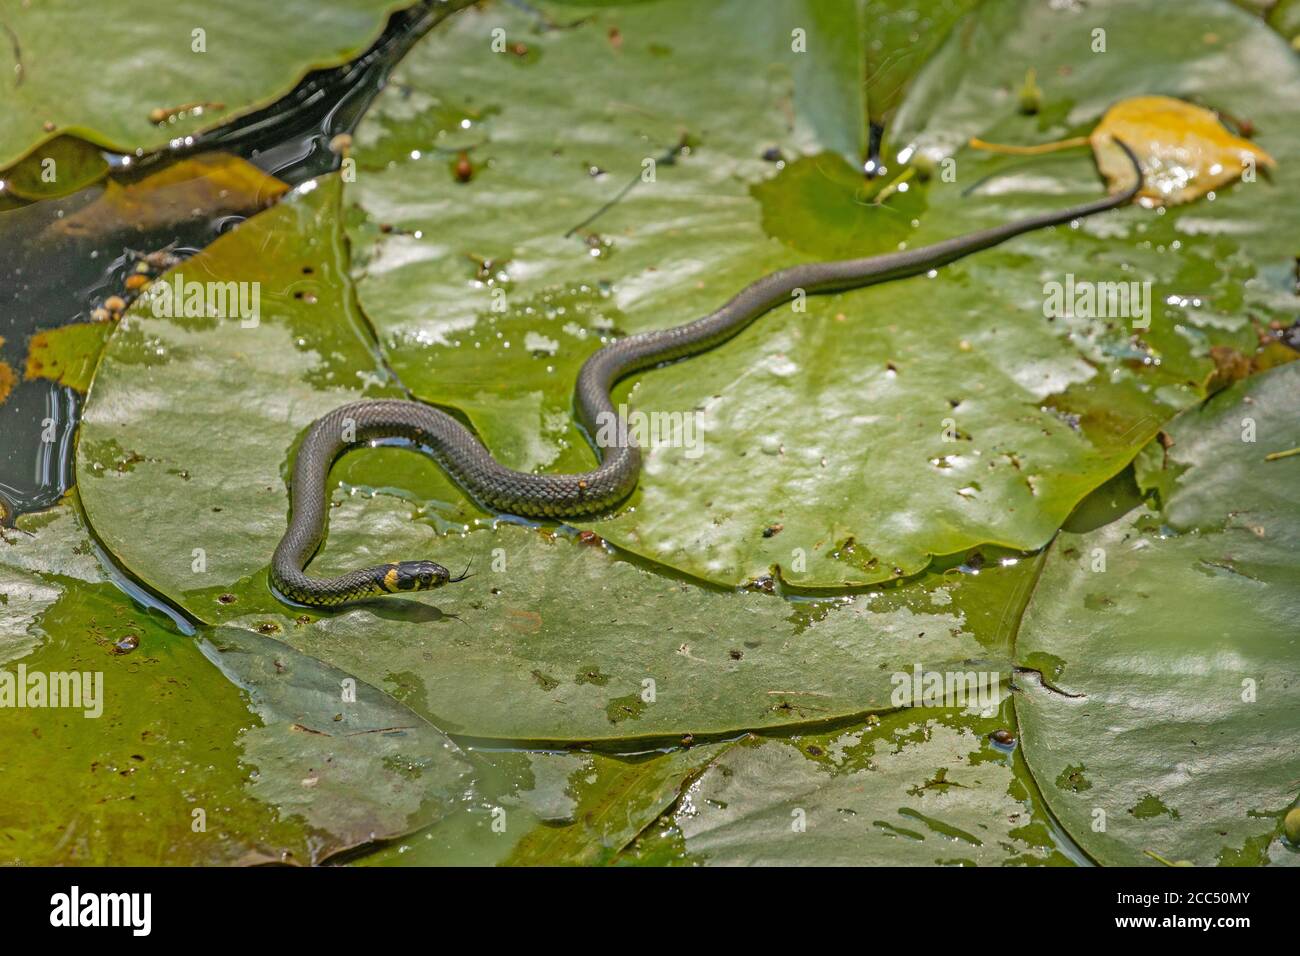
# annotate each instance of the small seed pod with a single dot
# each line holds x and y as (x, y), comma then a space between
(463, 169)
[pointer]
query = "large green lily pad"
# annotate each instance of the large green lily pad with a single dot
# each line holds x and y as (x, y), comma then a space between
(899, 37)
(101, 73)
(1168, 644)
(831, 424)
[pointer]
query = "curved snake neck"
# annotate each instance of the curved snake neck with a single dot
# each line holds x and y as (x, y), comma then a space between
(499, 488)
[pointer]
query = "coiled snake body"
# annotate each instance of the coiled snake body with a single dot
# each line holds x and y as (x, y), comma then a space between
(472, 466)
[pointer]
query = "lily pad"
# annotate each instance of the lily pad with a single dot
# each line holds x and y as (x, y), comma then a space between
(62, 166)
(854, 61)
(586, 646)
(336, 753)
(834, 422)
(920, 788)
(553, 809)
(73, 72)
(899, 38)
(1168, 723)
(303, 346)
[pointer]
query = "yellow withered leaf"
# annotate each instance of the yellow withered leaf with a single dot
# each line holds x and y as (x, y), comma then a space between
(1184, 150)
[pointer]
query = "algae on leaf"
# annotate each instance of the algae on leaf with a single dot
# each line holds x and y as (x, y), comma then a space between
(68, 354)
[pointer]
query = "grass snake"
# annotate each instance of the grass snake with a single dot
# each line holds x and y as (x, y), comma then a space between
(499, 488)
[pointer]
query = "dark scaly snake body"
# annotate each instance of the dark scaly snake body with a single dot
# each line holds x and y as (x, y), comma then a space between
(472, 466)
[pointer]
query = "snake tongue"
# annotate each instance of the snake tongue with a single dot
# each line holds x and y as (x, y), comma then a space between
(463, 575)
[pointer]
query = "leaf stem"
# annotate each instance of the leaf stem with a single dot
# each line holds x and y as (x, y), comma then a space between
(1036, 150)
(892, 188)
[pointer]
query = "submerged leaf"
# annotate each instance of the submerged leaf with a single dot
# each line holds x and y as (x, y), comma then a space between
(217, 183)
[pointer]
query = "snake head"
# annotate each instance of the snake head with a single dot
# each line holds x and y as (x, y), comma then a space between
(416, 576)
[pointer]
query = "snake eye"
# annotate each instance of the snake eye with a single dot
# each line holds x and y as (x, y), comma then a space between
(420, 575)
